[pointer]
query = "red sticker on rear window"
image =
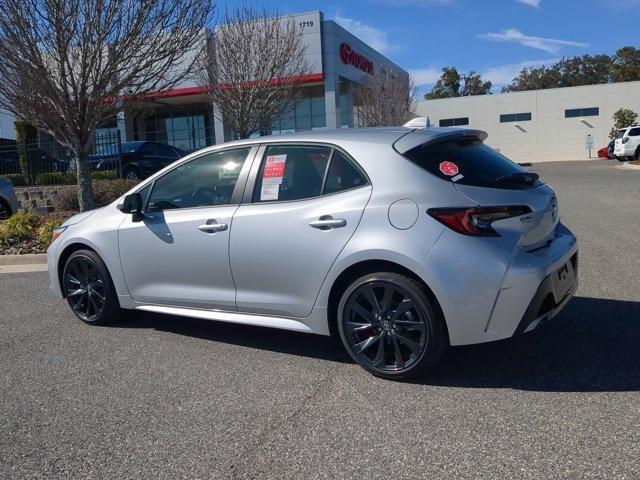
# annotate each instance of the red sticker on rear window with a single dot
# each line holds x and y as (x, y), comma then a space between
(449, 168)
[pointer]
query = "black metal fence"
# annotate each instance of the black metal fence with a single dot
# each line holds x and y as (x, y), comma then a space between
(46, 162)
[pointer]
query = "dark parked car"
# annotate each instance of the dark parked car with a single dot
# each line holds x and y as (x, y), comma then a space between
(139, 159)
(38, 161)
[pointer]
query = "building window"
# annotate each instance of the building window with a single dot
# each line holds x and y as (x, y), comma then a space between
(309, 114)
(188, 127)
(581, 112)
(515, 117)
(454, 122)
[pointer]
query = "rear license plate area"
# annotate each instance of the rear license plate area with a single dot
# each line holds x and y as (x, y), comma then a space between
(564, 279)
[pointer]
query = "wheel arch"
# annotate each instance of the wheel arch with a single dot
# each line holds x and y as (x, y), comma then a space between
(65, 254)
(365, 267)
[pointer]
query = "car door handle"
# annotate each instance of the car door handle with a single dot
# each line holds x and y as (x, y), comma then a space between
(327, 222)
(213, 227)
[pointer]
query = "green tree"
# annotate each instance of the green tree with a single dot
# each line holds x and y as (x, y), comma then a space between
(626, 65)
(623, 118)
(447, 86)
(474, 85)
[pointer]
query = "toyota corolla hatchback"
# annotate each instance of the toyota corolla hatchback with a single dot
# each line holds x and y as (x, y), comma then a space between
(398, 241)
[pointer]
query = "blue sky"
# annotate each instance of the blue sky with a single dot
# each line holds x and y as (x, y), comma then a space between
(494, 37)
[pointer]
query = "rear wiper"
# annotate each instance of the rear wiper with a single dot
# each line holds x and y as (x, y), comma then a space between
(528, 178)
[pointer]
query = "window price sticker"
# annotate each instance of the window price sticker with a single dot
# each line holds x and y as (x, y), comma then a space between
(274, 170)
(272, 176)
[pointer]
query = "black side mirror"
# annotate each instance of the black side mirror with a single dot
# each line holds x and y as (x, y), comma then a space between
(132, 204)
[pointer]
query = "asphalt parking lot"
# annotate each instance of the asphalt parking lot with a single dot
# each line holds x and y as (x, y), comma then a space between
(167, 397)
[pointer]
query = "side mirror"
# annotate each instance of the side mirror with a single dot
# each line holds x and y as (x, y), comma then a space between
(132, 204)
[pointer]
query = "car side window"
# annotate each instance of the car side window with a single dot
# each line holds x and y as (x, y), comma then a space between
(343, 174)
(634, 132)
(291, 172)
(206, 181)
(148, 149)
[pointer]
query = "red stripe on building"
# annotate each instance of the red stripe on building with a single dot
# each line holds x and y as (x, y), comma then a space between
(186, 91)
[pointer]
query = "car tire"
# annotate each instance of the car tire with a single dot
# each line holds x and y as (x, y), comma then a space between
(389, 326)
(5, 210)
(89, 290)
(132, 173)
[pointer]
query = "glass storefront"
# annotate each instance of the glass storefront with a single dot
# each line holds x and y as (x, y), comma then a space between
(309, 114)
(189, 127)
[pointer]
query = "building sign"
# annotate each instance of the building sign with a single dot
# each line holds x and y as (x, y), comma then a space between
(350, 57)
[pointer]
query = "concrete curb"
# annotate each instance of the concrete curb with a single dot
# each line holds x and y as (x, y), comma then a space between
(29, 259)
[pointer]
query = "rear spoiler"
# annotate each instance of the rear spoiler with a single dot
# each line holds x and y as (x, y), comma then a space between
(422, 136)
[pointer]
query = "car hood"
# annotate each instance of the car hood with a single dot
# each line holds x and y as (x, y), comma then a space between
(80, 217)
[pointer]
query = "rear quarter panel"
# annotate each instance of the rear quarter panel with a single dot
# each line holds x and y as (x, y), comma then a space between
(393, 178)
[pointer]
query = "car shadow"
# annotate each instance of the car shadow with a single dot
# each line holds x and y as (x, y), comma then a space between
(593, 345)
(263, 338)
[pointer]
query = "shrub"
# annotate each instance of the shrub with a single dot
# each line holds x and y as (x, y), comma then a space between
(18, 228)
(45, 232)
(18, 179)
(56, 178)
(104, 192)
(106, 175)
(67, 200)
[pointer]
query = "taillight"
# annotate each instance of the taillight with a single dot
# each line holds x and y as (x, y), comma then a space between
(625, 139)
(476, 221)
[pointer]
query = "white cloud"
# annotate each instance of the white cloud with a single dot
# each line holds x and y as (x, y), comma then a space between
(503, 74)
(531, 3)
(550, 45)
(425, 76)
(376, 38)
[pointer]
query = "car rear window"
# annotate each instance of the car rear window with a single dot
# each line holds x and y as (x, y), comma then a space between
(469, 162)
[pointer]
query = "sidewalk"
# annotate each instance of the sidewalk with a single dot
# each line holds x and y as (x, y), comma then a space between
(23, 263)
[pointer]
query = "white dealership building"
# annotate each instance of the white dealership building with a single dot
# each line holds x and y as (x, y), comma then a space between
(540, 125)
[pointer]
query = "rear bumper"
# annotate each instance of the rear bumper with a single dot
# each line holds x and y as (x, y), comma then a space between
(623, 151)
(485, 290)
(546, 303)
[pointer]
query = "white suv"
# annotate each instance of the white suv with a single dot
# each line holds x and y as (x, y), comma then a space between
(627, 146)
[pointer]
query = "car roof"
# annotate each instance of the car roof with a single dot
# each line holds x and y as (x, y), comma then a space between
(385, 135)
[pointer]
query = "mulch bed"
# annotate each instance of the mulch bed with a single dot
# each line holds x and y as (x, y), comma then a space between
(23, 248)
(34, 245)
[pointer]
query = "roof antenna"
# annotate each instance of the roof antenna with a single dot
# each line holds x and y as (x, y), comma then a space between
(418, 122)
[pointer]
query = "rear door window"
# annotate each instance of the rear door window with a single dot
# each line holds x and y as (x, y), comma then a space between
(291, 172)
(470, 162)
(343, 174)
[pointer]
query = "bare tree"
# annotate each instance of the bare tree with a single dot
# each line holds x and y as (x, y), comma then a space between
(384, 100)
(252, 67)
(67, 65)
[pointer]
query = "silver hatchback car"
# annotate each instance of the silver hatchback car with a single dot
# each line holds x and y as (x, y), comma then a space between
(398, 241)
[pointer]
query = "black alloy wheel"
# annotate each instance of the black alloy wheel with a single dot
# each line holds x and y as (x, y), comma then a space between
(389, 327)
(88, 288)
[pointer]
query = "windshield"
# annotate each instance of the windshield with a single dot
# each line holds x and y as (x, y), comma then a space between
(621, 132)
(470, 162)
